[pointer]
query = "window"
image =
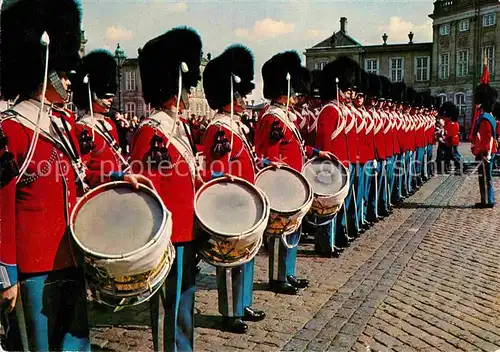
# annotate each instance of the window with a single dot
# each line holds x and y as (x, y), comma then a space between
(489, 19)
(371, 66)
(422, 68)
(463, 25)
(462, 63)
(444, 65)
(489, 51)
(460, 103)
(444, 29)
(130, 80)
(442, 98)
(130, 110)
(396, 68)
(320, 65)
(147, 113)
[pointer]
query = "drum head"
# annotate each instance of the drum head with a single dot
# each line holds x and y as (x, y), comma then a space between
(118, 221)
(230, 208)
(326, 177)
(286, 190)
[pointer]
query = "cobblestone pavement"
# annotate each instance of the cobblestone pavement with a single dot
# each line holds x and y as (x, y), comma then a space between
(425, 279)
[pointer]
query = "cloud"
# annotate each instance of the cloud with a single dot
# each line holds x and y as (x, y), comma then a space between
(118, 33)
(265, 29)
(315, 34)
(398, 30)
(177, 7)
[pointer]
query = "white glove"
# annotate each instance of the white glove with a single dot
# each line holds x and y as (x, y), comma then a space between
(487, 158)
(375, 164)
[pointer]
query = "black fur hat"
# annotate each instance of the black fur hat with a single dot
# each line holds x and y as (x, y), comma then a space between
(386, 87)
(398, 91)
(374, 86)
(496, 110)
(364, 82)
(305, 82)
(427, 100)
(316, 76)
(411, 95)
(448, 109)
(274, 73)
(348, 73)
(101, 68)
(23, 57)
(236, 60)
(160, 60)
(486, 96)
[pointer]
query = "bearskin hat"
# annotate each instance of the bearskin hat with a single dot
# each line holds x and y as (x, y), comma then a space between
(427, 100)
(364, 82)
(160, 60)
(374, 86)
(348, 73)
(23, 56)
(496, 110)
(235, 60)
(486, 96)
(411, 95)
(305, 81)
(274, 73)
(315, 83)
(448, 109)
(386, 87)
(397, 92)
(101, 68)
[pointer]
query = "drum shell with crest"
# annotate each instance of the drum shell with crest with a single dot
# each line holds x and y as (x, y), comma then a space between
(121, 237)
(329, 180)
(290, 196)
(231, 217)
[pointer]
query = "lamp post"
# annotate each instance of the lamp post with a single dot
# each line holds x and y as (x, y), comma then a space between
(120, 60)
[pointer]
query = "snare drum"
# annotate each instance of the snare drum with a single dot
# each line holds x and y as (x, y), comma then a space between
(290, 196)
(231, 217)
(329, 180)
(121, 237)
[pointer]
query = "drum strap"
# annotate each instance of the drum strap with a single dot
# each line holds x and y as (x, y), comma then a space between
(280, 114)
(341, 119)
(178, 139)
(370, 122)
(349, 127)
(359, 127)
(314, 118)
(388, 127)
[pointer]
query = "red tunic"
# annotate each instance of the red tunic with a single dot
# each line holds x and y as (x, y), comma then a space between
(102, 159)
(361, 135)
(379, 134)
(34, 214)
(331, 136)
(387, 132)
(239, 162)
(370, 134)
(350, 130)
(395, 132)
(176, 186)
(287, 149)
(451, 133)
(482, 140)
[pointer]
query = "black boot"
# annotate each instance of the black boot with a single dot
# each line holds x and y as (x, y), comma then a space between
(235, 325)
(253, 315)
(297, 283)
(283, 287)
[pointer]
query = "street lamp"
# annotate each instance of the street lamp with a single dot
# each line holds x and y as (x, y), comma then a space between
(120, 60)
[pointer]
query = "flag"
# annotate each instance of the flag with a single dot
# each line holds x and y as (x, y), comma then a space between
(485, 78)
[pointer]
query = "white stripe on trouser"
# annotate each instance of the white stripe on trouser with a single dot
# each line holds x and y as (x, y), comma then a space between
(485, 185)
(276, 257)
(356, 219)
(229, 291)
(376, 193)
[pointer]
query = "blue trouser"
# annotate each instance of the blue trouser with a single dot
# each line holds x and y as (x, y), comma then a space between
(172, 307)
(55, 310)
(485, 173)
(375, 191)
(390, 177)
(281, 258)
(383, 186)
(324, 239)
(430, 167)
(399, 169)
(411, 171)
(234, 287)
(349, 218)
(369, 173)
(360, 193)
(457, 158)
(419, 162)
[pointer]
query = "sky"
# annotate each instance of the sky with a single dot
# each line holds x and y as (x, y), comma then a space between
(265, 27)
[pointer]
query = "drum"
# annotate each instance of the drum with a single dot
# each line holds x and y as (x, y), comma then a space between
(329, 180)
(231, 216)
(290, 196)
(121, 237)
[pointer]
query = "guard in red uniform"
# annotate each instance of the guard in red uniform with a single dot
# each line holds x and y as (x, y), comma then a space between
(483, 144)
(385, 139)
(236, 159)
(278, 140)
(398, 90)
(96, 133)
(40, 168)
(163, 150)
